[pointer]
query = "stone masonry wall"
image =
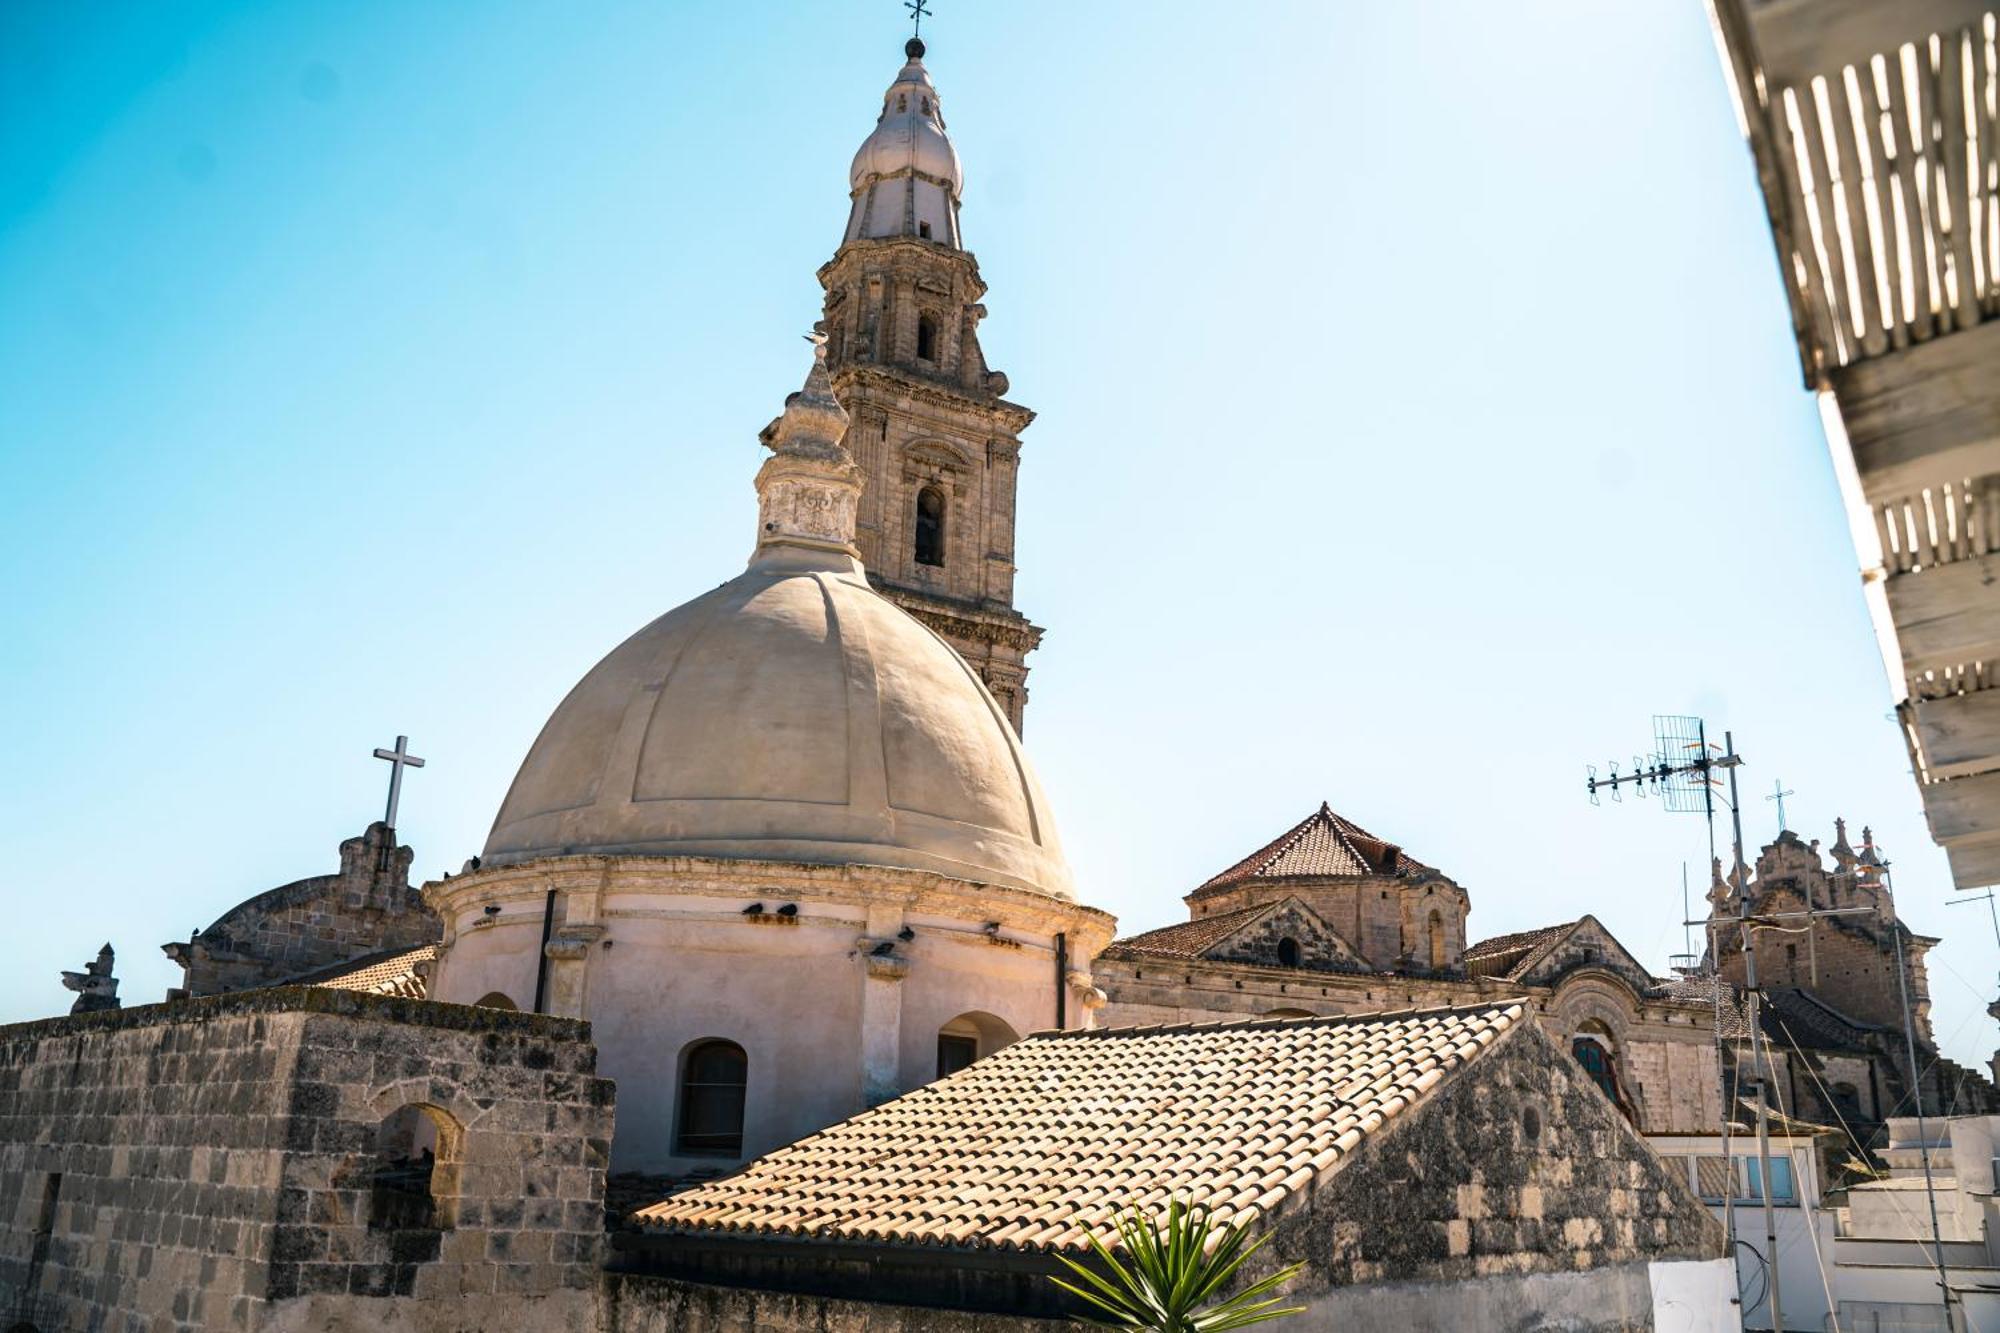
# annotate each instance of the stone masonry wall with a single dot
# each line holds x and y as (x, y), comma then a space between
(208, 1164)
(1519, 1166)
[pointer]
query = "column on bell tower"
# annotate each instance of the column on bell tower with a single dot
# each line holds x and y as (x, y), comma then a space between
(937, 444)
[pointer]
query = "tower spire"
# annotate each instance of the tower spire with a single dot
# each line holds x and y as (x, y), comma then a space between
(933, 435)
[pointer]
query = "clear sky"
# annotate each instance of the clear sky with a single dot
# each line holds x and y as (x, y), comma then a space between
(1418, 416)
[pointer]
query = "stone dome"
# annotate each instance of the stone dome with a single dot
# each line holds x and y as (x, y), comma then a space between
(909, 135)
(792, 714)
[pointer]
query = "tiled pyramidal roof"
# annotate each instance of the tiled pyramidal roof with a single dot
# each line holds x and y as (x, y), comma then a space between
(1054, 1136)
(1321, 846)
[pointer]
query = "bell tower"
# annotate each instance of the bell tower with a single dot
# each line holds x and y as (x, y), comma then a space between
(937, 443)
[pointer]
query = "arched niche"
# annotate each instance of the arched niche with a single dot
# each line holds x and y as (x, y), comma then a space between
(413, 1178)
(971, 1036)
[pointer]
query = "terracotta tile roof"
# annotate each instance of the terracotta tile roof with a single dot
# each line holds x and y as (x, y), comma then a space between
(1188, 939)
(1062, 1131)
(1509, 957)
(1321, 846)
(394, 972)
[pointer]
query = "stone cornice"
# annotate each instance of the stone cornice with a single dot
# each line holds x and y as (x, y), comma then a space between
(945, 395)
(692, 876)
(909, 254)
(1008, 629)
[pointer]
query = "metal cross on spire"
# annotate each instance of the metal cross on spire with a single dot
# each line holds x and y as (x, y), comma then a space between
(917, 15)
(1778, 793)
(399, 759)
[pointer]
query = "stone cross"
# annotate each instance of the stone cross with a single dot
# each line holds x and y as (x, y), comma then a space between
(399, 759)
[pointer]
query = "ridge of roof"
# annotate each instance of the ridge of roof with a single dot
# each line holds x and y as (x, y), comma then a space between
(1070, 1136)
(1323, 845)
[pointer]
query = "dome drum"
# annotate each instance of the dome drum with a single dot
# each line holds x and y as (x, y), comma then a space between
(836, 982)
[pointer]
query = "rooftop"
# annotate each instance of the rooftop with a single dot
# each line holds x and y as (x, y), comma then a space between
(1049, 1139)
(1510, 956)
(398, 972)
(1321, 846)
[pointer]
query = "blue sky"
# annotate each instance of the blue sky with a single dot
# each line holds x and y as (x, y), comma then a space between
(1418, 415)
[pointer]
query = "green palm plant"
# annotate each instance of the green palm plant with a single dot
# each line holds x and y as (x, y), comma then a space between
(1168, 1278)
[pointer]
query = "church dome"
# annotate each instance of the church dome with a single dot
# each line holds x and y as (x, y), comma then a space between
(910, 134)
(792, 714)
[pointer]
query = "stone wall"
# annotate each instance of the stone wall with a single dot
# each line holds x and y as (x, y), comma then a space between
(1519, 1165)
(365, 907)
(643, 1304)
(1320, 947)
(208, 1163)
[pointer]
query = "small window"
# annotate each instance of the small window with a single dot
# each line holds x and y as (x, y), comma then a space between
(929, 545)
(411, 1187)
(713, 1076)
(926, 330)
(1288, 952)
(923, 230)
(955, 1052)
(495, 1000)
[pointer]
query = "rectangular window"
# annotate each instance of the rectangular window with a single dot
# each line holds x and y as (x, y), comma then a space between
(1782, 1189)
(1712, 1178)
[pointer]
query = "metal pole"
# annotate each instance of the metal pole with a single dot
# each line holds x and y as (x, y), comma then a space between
(1770, 1216)
(1740, 873)
(1917, 1091)
(1721, 1062)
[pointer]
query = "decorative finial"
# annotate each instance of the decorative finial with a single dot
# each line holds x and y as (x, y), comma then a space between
(96, 989)
(914, 48)
(808, 488)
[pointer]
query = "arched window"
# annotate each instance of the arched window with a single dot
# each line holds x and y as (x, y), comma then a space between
(1436, 929)
(967, 1038)
(1288, 952)
(1846, 1101)
(493, 999)
(413, 1184)
(926, 332)
(713, 1075)
(930, 527)
(1594, 1052)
